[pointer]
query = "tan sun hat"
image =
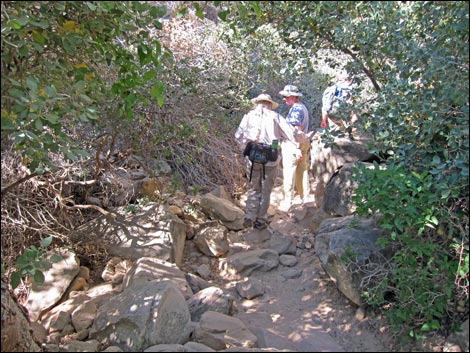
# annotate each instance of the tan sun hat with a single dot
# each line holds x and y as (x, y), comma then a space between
(265, 98)
(290, 90)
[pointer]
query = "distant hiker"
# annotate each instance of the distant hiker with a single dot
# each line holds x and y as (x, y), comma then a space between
(255, 134)
(336, 103)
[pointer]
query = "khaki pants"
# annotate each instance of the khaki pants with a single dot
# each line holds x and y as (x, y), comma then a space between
(295, 170)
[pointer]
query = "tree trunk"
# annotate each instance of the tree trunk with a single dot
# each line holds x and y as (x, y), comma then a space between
(17, 333)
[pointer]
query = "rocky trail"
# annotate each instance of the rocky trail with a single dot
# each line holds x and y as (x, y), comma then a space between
(290, 304)
(300, 308)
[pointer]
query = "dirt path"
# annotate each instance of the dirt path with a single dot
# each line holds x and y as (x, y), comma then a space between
(305, 313)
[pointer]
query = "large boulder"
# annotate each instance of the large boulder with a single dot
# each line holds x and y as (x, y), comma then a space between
(349, 254)
(326, 160)
(144, 314)
(149, 269)
(150, 231)
(56, 282)
(224, 210)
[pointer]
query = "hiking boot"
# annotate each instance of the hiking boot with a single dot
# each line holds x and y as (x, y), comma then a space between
(260, 224)
(247, 223)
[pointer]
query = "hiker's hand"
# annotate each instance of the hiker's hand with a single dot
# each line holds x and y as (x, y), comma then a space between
(323, 124)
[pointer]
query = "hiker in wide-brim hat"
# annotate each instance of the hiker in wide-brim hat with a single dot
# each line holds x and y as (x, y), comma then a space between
(265, 98)
(261, 125)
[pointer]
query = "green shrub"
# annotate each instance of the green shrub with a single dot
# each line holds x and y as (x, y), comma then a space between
(421, 280)
(32, 263)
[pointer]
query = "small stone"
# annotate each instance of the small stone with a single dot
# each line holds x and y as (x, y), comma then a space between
(360, 313)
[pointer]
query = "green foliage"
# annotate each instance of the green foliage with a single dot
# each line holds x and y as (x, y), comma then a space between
(404, 200)
(63, 63)
(131, 208)
(421, 115)
(32, 263)
(140, 203)
(408, 209)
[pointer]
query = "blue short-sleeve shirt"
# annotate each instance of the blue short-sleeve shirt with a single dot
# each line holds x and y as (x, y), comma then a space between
(298, 115)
